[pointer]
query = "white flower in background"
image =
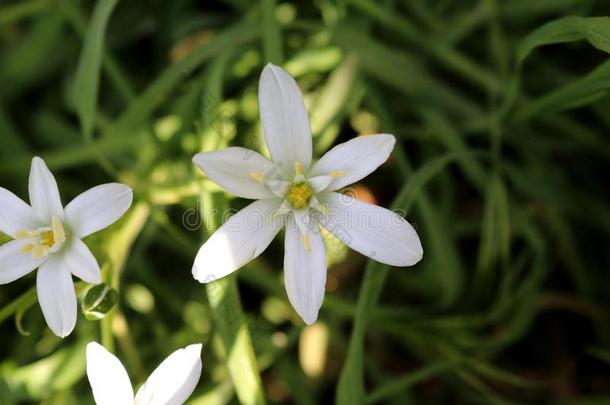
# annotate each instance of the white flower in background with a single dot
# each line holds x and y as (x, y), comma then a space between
(48, 236)
(172, 382)
(293, 192)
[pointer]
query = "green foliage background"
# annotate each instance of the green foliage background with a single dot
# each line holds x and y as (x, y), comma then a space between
(502, 113)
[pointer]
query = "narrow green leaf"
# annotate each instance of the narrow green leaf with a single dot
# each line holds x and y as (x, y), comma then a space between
(577, 93)
(402, 383)
(143, 105)
(75, 155)
(403, 71)
(495, 229)
(350, 389)
(332, 103)
(35, 55)
(453, 140)
(272, 36)
(596, 30)
(86, 83)
(438, 47)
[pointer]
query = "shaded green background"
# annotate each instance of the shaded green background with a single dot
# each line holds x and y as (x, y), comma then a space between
(502, 115)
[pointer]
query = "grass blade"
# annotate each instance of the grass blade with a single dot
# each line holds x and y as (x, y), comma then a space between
(86, 82)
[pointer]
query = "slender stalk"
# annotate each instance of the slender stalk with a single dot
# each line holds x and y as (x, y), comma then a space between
(118, 248)
(231, 322)
(25, 300)
(272, 38)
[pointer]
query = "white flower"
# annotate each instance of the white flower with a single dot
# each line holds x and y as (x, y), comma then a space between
(48, 236)
(172, 382)
(293, 192)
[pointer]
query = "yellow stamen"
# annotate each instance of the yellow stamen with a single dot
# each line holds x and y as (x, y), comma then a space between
(306, 242)
(256, 176)
(47, 239)
(43, 240)
(39, 251)
(299, 194)
(23, 234)
(298, 169)
(58, 230)
(337, 173)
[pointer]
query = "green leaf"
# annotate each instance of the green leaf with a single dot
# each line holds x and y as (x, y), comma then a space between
(35, 56)
(332, 103)
(272, 36)
(596, 30)
(86, 83)
(404, 382)
(403, 71)
(578, 93)
(143, 105)
(438, 47)
(57, 371)
(495, 232)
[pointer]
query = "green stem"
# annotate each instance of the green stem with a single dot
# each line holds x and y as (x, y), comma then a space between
(25, 300)
(232, 327)
(231, 322)
(117, 248)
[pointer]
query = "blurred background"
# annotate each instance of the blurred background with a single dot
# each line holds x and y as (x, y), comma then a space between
(502, 115)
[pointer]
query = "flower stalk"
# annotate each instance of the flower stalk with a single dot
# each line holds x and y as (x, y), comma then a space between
(232, 323)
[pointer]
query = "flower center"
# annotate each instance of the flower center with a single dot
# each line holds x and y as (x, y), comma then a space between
(43, 240)
(299, 194)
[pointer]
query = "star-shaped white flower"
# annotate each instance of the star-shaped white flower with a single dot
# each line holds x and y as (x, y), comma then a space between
(48, 236)
(172, 382)
(293, 192)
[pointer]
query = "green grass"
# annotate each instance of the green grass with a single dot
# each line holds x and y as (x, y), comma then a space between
(501, 110)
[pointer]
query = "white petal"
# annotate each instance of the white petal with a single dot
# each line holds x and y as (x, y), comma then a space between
(44, 194)
(97, 208)
(16, 215)
(305, 270)
(284, 117)
(14, 263)
(240, 171)
(174, 380)
(242, 238)
(81, 262)
(56, 295)
(373, 231)
(107, 376)
(355, 159)
(320, 183)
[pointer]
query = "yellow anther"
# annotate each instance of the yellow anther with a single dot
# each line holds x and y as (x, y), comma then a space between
(306, 242)
(43, 240)
(299, 194)
(58, 230)
(298, 169)
(39, 251)
(23, 234)
(337, 173)
(47, 239)
(256, 176)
